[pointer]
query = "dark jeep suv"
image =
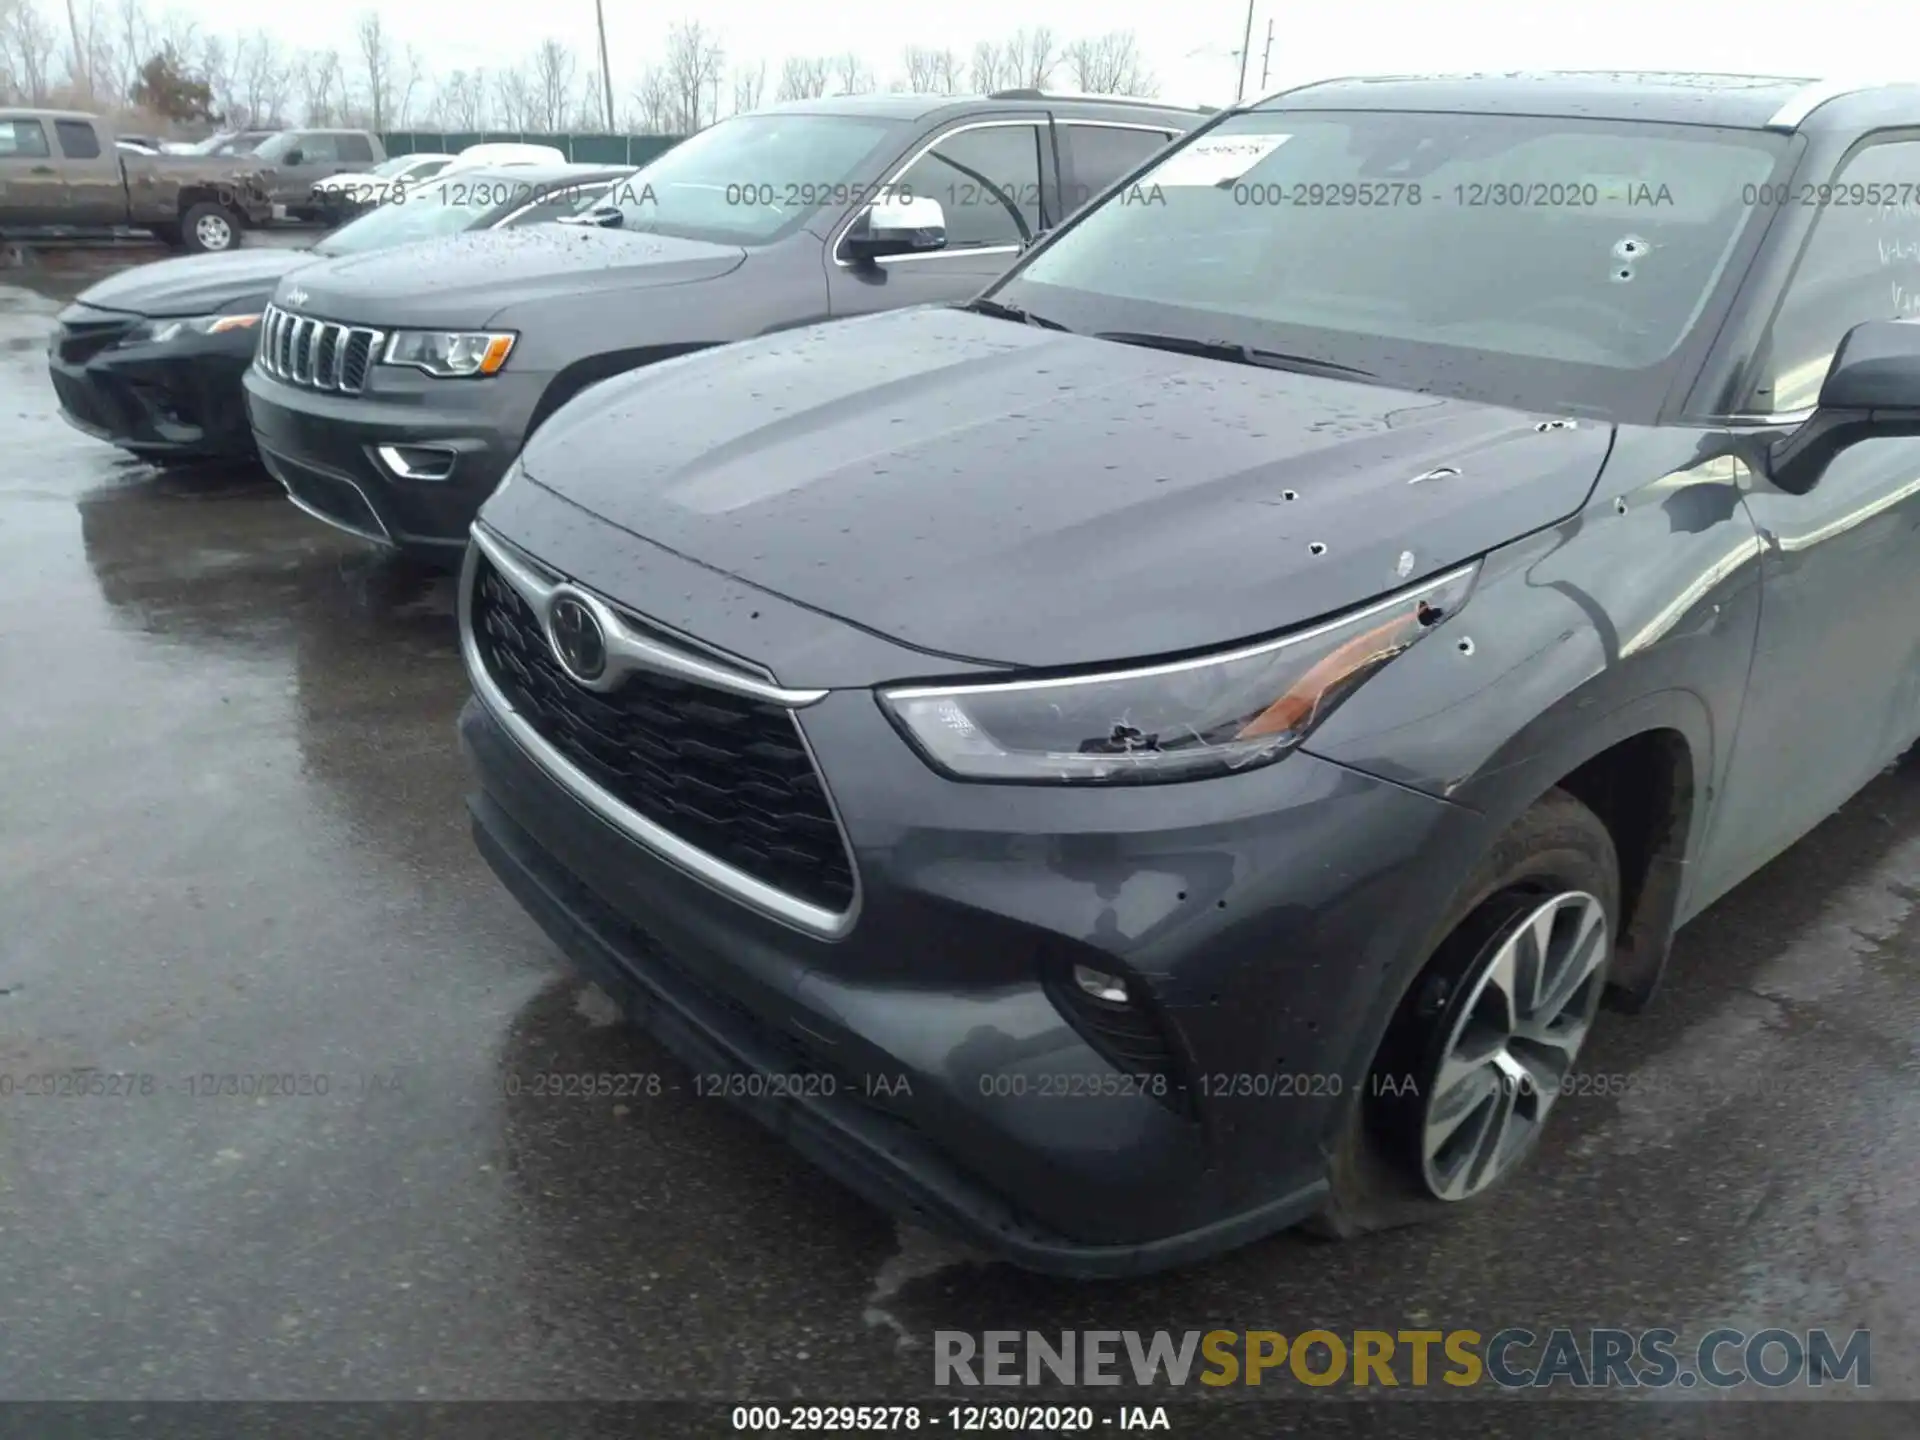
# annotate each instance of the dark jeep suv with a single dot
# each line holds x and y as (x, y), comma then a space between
(1182, 744)
(762, 222)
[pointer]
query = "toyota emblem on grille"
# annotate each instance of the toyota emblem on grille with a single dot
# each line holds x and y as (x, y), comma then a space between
(296, 296)
(578, 642)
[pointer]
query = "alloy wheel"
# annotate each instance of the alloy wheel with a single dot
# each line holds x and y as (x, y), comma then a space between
(1528, 1007)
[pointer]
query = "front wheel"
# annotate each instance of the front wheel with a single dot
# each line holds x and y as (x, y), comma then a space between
(209, 229)
(1486, 1038)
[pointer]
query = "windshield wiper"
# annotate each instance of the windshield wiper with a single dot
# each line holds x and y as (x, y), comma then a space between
(1235, 352)
(1000, 310)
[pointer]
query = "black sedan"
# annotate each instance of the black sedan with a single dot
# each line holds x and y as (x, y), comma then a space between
(1182, 744)
(151, 359)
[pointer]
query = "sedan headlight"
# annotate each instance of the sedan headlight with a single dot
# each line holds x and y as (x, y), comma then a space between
(450, 353)
(160, 332)
(1178, 721)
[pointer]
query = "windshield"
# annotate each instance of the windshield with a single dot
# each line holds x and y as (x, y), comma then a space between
(754, 178)
(1553, 264)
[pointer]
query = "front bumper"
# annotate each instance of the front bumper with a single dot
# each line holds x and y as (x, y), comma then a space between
(180, 399)
(1263, 919)
(323, 447)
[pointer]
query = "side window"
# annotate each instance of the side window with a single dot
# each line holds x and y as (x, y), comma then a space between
(356, 148)
(77, 140)
(988, 182)
(319, 149)
(1861, 262)
(1098, 155)
(23, 140)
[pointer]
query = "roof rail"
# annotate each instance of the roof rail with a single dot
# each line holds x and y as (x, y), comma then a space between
(1029, 93)
(1810, 98)
(1307, 85)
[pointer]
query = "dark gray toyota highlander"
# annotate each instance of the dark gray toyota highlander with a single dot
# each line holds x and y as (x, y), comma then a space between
(1179, 746)
(762, 222)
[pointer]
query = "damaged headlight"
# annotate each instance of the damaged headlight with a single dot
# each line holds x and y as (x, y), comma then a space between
(162, 332)
(1179, 721)
(450, 354)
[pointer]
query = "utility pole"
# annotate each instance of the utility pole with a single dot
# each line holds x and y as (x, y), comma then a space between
(1266, 58)
(606, 71)
(1246, 43)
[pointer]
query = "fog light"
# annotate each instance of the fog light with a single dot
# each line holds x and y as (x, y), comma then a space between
(1100, 985)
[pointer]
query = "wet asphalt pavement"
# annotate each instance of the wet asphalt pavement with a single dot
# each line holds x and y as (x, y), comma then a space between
(232, 844)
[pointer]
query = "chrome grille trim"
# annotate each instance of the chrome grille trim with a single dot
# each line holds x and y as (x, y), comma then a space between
(314, 354)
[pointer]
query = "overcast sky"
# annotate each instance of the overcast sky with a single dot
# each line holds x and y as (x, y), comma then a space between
(1340, 37)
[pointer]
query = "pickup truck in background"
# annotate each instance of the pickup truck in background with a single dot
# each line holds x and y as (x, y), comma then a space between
(64, 173)
(297, 160)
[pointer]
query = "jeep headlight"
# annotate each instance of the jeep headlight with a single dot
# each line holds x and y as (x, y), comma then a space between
(161, 332)
(1181, 720)
(451, 354)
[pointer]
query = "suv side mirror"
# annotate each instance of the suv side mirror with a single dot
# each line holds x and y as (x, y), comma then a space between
(1872, 390)
(295, 156)
(898, 227)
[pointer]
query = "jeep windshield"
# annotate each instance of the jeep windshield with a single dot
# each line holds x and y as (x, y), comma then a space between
(755, 178)
(1545, 263)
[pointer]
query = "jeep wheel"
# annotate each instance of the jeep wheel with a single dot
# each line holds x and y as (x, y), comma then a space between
(1487, 1035)
(208, 228)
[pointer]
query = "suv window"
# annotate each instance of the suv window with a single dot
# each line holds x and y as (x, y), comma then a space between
(1098, 155)
(356, 149)
(25, 139)
(318, 149)
(77, 140)
(1861, 262)
(987, 180)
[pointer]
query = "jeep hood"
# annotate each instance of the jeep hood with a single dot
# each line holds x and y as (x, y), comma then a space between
(195, 284)
(466, 279)
(995, 492)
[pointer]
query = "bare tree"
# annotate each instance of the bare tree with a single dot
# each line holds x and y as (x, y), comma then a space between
(552, 86)
(932, 72)
(318, 77)
(748, 87)
(86, 37)
(28, 44)
(265, 78)
(949, 70)
(134, 34)
(217, 69)
(513, 99)
(851, 75)
(992, 68)
(376, 56)
(652, 104)
(463, 102)
(692, 75)
(804, 79)
(590, 115)
(1110, 64)
(1033, 57)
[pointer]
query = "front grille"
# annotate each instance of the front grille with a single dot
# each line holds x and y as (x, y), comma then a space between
(727, 774)
(82, 336)
(316, 354)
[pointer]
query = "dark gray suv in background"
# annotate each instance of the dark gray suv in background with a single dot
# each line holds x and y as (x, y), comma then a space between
(1181, 744)
(762, 222)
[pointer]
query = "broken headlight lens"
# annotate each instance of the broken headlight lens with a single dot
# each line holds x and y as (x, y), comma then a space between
(1179, 721)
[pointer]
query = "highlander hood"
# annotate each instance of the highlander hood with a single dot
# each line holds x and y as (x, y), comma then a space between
(467, 279)
(991, 491)
(195, 284)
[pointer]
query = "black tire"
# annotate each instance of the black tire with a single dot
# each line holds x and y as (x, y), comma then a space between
(196, 232)
(168, 235)
(1559, 845)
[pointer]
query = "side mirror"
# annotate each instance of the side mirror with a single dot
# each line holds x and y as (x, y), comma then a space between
(604, 217)
(899, 227)
(1872, 390)
(295, 156)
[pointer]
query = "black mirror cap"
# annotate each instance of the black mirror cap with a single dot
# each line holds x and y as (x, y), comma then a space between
(1877, 367)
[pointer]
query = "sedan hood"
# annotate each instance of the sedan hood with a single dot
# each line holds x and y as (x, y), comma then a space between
(464, 280)
(195, 284)
(994, 492)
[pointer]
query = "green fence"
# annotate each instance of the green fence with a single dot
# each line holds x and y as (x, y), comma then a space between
(581, 149)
